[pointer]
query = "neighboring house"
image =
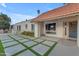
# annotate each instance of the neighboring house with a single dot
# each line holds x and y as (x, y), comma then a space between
(23, 26)
(2, 31)
(62, 22)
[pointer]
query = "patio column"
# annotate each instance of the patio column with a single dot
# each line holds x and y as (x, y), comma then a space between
(36, 30)
(78, 31)
(59, 29)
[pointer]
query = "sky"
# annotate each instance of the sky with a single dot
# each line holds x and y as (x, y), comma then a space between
(21, 11)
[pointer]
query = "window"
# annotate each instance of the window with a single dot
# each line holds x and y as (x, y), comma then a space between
(12, 26)
(19, 27)
(32, 27)
(51, 28)
(26, 26)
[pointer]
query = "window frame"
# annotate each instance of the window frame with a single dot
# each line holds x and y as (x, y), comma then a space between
(32, 27)
(48, 28)
(18, 27)
(26, 26)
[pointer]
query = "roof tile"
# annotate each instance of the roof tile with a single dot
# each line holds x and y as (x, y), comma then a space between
(64, 10)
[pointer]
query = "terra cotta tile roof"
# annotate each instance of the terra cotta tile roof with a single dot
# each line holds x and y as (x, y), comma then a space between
(61, 11)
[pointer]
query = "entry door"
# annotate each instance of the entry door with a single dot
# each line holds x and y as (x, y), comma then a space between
(65, 26)
(73, 29)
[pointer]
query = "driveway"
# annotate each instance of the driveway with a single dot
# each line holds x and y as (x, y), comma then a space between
(16, 45)
(65, 48)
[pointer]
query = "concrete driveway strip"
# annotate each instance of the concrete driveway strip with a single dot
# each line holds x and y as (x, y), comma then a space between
(5, 38)
(10, 43)
(26, 53)
(61, 50)
(17, 37)
(12, 50)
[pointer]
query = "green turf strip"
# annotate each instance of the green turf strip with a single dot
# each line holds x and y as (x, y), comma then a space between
(19, 52)
(2, 53)
(53, 46)
(11, 45)
(46, 54)
(36, 41)
(14, 44)
(26, 47)
(49, 50)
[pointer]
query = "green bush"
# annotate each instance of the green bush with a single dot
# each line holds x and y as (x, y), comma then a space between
(28, 33)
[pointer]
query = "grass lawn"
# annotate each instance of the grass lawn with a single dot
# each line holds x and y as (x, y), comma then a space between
(2, 53)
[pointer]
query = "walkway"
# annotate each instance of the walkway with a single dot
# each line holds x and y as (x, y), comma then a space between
(15, 45)
(64, 47)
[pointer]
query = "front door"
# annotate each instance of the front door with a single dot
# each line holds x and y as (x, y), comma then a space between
(65, 29)
(73, 29)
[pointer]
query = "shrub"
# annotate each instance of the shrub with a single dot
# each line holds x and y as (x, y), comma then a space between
(28, 33)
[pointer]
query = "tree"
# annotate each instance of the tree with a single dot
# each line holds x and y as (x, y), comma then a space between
(4, 21)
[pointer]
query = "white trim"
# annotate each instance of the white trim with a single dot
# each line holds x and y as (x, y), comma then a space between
(45, 29)
(78, 31)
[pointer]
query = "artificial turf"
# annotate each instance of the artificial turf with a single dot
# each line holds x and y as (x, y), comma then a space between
(2, 53)
(36, 53)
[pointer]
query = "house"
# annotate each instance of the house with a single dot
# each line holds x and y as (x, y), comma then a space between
(62, 22)
(2, 31)
(23, 26)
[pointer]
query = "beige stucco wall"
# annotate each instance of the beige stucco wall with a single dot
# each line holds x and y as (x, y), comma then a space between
(23, 26)
(59, 27)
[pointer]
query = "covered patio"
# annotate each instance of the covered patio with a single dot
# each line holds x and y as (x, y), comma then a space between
(63, 24)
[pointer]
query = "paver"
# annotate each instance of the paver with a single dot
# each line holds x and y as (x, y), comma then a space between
(38, 40)
(25, 47)
(49, 43)
(17, 37)
(26, 53)
(14, 49)
(10, 43)
(24, 40)
(6, 40)
(30, 43)
(5, 37)
(41, 49)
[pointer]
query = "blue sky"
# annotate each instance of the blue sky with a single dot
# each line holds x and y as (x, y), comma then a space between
(22, 11)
